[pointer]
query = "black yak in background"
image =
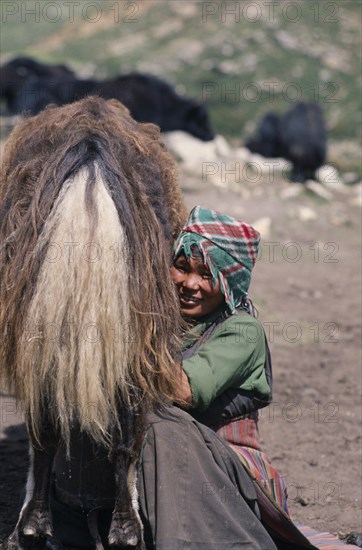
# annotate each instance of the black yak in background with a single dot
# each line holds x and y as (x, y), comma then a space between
(15, 73)
(299, 135)
(265, 141)
(148, 98)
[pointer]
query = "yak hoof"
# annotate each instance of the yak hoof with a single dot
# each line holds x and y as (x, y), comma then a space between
(33, 532)
(125, 534)
(36, 523)
(17, 542)
(12, 542)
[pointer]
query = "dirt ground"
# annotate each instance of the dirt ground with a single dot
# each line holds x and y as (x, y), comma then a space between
(306, 286)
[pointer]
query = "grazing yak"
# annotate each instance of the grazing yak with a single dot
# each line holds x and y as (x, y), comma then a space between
(265, 141)
(148, 98)
(15, 73)
(89, 317)
(299, 136)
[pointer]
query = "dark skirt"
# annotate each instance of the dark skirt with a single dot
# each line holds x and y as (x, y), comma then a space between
(194, 493)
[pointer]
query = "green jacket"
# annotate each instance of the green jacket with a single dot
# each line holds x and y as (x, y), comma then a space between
(233, 357)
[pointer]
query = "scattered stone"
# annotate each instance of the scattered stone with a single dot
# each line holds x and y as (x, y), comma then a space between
(208, 64)
(243, 154)
(189, 50)
(258, 161)
(357, 188)
(329, 176)
(327, 172)
(292, 191)
(325, 75)
(357, 199)
(258, 192)
(222, 147)
(318, 190)
(228, 67)
(281, 456)
(286, 39)
(339, 218)
(218, 181)
(170, 26)
(268, 166)
(227, 49)
(243, 191)
(239, 210)
(350, 178)
(191, 151)
(186, 9)
(263, 225)
(306, 214)
(248, 62)
(310, 393)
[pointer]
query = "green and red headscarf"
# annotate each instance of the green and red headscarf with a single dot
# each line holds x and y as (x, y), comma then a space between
(229, 249)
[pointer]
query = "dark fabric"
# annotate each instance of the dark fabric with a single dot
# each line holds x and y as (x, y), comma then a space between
(71, 524)
(78, 483)
(232, 404)
(194, 493)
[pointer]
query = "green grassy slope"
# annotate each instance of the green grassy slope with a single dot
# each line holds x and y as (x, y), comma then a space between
(230, 54)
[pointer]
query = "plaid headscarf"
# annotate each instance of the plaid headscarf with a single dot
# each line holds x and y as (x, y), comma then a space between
(228, 247)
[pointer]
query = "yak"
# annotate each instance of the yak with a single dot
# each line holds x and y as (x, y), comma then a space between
(299, 136)
(265, 141)
(89, 318)
(303, 140)
(16, 73)
(148, 98)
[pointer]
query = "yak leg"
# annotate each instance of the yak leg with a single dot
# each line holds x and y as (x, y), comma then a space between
(126, 528)
(34, 528)
(298, 174)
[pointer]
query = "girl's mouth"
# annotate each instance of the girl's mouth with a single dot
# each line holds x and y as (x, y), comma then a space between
(189, 300)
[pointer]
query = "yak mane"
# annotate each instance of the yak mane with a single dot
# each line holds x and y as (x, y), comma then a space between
(88, 206)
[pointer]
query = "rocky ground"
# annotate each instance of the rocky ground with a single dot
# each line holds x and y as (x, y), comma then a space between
(306, 286)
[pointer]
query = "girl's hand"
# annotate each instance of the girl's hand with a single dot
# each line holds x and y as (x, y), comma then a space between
(184, 394)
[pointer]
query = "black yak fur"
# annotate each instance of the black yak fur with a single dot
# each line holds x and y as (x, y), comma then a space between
(148, 98)
(265, 141)
(299, 136)
(16, 73)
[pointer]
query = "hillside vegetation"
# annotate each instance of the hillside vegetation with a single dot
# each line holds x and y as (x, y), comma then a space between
(242, 58)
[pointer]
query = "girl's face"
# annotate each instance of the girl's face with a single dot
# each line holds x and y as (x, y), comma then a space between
(193, 281)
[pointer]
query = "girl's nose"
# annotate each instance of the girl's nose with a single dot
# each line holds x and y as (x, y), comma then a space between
(192, 281)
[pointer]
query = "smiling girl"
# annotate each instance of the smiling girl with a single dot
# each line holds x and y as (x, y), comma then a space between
(226, 367)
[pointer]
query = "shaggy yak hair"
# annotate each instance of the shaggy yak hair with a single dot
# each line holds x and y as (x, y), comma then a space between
(89, 317)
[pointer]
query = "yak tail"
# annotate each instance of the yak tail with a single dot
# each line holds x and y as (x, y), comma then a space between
(77, 347)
